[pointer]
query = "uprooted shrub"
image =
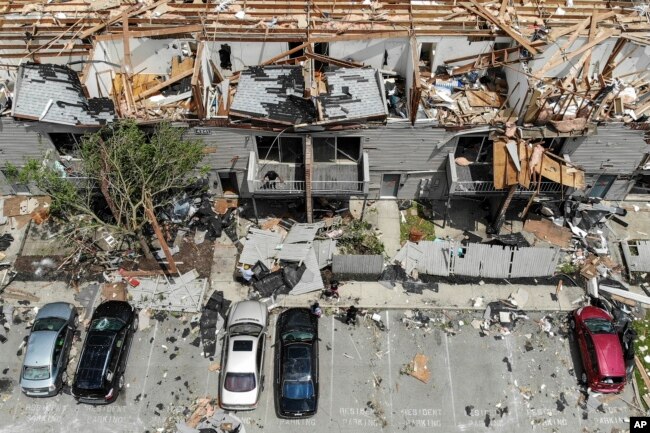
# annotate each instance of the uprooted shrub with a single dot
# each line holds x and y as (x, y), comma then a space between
(360, 238)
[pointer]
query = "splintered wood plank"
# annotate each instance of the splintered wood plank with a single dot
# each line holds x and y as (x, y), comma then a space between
(547, 231)
(559, 171)
(525, 153)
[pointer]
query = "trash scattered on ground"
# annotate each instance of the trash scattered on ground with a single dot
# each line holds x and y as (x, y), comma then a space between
(418, 368)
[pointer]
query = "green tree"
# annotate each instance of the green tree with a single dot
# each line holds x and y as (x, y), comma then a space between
(132, 170)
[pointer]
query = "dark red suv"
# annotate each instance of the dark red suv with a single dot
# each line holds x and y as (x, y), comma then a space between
(600, 349)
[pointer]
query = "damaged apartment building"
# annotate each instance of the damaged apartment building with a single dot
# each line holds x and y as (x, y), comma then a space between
(403, 99)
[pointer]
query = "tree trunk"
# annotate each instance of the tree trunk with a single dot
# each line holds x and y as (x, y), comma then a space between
(145, 246)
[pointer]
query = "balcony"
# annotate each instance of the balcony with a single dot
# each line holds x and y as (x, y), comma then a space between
(470, 180)
(328, 179)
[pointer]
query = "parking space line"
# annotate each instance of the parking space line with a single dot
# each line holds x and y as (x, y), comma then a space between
(332, 371)
(146, 374)
(451, 384)
(272, 362)
(355, 346)
(390, 370)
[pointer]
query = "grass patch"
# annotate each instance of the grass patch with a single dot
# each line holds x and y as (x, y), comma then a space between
(360, 238)
(568, 268)
(642, 328)
(418, 221)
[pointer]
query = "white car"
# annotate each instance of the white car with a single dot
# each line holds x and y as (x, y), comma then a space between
(241, 380)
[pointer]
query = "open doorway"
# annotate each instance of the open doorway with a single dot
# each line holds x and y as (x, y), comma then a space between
(389, 185)
(228, 180)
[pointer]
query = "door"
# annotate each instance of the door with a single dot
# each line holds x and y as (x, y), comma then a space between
(389, 185)
(228, 181)
(602, 185)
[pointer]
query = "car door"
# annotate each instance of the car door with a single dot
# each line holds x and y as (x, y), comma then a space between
(260, 360)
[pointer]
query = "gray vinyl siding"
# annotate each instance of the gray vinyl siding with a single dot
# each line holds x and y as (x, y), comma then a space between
(21, 141)
(615, 149)
(401, 148)
(619, 189)
(223, 145)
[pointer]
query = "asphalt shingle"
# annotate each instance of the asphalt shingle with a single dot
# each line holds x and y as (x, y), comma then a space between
(38, 84)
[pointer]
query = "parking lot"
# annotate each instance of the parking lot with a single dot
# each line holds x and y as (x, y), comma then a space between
(525, 381)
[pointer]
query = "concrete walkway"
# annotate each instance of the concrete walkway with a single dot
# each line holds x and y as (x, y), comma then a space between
(462, 297)
(388, 221)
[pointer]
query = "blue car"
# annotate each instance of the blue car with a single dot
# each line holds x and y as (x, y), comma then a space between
(296, 364)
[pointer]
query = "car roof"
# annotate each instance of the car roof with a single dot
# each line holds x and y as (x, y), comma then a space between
(242, 361)
(247, 312)
(39, 348)
(297, 363)
(55, 309)
(91, 365)
(610, 354)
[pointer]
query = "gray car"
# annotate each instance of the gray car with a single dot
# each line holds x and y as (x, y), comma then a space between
(46, 359)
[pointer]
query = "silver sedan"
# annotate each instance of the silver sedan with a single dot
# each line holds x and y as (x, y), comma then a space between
(44, 368)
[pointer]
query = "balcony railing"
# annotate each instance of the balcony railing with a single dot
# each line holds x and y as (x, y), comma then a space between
(259, 186)
(486, 187)
(288, 186)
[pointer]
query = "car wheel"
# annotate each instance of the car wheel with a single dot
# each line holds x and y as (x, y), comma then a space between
(64, 378)
(583, 378)
(136, 320)
(120, 383)
(572, 323)
(76, 321)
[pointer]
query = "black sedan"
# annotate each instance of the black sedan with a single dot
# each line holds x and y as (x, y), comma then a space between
(100, 372)
(296, 364)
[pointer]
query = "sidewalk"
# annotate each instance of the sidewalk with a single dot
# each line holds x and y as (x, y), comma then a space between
(371, 295)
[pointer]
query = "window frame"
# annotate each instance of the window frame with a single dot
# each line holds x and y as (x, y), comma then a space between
(280, 159)
(337, 159)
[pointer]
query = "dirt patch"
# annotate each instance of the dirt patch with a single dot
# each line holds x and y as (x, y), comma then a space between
(39, 268)
(6, 385)
(189, 256)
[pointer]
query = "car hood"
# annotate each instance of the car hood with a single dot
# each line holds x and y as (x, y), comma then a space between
(610, 354)
(297, 318)
(120, 309)
(39, 348)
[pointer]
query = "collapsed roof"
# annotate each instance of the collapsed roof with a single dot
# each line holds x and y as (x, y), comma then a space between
(53, 94)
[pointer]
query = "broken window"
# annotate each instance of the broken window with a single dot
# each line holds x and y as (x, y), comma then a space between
(224, 57)
(66, 143)
(324, 149)
(298, 53)
(337, 149)
(476, 149)
(283, 149)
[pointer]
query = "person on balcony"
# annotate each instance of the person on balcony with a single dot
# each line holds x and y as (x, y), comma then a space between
(270, 180)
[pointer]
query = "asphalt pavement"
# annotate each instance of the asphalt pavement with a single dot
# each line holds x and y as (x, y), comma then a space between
(523, 381)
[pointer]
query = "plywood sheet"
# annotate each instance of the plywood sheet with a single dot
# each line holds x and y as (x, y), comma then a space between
(525, 152)
(560, 172)
(484, 98)
(505, 171)
(546, 231)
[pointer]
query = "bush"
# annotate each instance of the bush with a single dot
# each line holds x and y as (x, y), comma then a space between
(360, 238)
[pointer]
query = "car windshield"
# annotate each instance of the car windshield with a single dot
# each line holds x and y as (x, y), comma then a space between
(245, 329)
(239, 382)
(36, 373)
(297, 335)
(600, 326)
(296, 390)
(107, 324)
(49, 324)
